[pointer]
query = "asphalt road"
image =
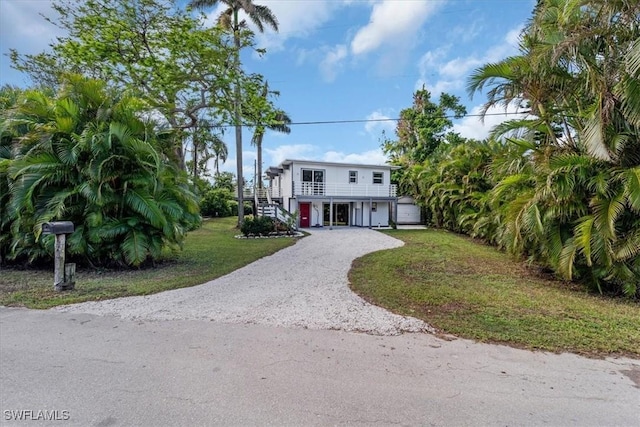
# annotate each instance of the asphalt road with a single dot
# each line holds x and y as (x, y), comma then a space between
(88, 370)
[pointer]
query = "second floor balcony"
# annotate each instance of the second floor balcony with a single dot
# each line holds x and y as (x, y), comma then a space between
(302, 188)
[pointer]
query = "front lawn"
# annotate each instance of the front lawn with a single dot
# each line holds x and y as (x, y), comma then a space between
(209, 252)
(470, 290)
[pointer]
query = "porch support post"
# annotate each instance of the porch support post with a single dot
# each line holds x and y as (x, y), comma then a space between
(331, 213)
(370, 211)
(395, 211)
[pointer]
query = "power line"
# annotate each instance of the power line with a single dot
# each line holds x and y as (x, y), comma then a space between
(389, 119)
(386, 119)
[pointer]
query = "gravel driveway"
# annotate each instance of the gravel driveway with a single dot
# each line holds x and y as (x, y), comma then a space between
(304, 285)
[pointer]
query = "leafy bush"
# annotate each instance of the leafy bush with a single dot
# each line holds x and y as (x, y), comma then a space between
(258, 226)
(85, 156)
(217, 203)
(248, 208)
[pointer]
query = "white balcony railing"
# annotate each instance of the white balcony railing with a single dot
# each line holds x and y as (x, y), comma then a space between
(250, 192)
(301, 188)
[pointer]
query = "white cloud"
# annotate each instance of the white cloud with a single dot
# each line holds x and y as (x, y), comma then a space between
(467, 32)
(304, 55)
(380, 122)
(295, 19)
(22, 27)
(459, 67)
(451, 75)
(333, 62)
(294, 151)
(372, 157)
(513, 37)
(474, 127)
(392, 22)
(441, 86)
(429, 60)
(312, 152)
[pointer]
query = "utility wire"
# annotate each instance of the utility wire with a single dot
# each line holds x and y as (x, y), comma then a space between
(387, 119)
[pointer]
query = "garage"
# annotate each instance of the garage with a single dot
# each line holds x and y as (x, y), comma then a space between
(408, 211)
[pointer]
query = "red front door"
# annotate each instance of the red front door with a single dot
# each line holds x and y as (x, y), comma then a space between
(305, 215)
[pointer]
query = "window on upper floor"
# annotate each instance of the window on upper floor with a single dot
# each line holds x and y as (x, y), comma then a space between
(312, 175)
(378, 178)
(312, 181)
(353, 177)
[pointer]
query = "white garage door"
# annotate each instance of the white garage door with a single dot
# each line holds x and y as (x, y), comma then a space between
(408, 214)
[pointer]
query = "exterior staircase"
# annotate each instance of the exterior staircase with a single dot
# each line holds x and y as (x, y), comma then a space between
(276, 211)
(265, 206)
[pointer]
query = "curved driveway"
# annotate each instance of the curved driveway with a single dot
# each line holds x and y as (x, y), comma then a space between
(100, 370)
(304, 285)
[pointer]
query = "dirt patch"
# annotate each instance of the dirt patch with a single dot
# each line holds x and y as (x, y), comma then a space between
(634, 375)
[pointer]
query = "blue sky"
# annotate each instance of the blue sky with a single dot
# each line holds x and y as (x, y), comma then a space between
(342, 60)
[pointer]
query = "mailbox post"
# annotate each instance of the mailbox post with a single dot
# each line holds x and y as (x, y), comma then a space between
(63, 275)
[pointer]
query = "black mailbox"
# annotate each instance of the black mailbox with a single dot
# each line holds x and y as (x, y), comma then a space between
(57, 227)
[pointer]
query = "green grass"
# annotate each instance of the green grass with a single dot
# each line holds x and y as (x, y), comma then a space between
(473, 291)
(209, 252)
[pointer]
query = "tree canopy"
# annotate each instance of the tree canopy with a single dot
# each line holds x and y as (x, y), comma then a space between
(156, 50)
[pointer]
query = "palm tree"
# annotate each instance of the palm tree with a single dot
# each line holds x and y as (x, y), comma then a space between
(8, 99)
(229, 19)
(279, 122)
(206, 145)
(220, 153)
(85, 156)
(577, 210)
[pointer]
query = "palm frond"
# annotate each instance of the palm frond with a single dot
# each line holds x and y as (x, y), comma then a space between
(583, 235)
(632, 188)
(567, 259)
(593, 139)
(146, 206)
(606, 211)
(135, 247)
(628, 248)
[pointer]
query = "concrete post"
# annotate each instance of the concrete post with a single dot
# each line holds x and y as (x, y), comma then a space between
(331, 213)
(63, 275)
(58, 262)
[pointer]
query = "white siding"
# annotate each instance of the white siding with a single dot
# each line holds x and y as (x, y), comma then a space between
(336, 179)
(379, 217)
(336, 184)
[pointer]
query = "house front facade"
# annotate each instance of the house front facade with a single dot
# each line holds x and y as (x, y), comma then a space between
(326, 194)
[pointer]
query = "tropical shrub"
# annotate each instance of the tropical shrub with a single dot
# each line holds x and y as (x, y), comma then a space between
(248, 207)
(258, 226)
(578, 73)
(216, 203)
(561, 185)
(86, 156)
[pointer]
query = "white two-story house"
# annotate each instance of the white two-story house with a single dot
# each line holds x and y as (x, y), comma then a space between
(334, 194)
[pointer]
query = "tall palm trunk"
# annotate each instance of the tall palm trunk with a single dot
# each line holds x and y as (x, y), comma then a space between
(259, 159)
(260, 15)
(238, 118)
